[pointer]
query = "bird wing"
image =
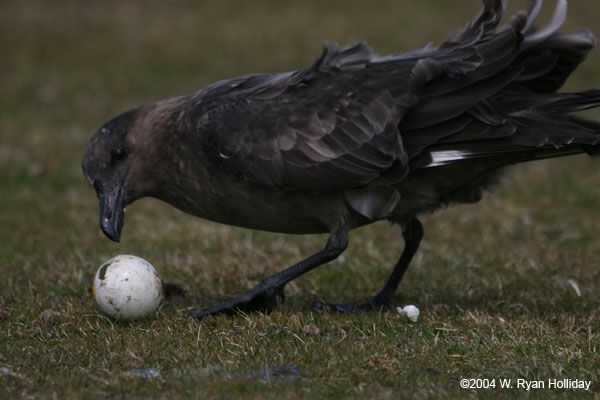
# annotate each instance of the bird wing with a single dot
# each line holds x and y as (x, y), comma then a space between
(347, 120)
(357, 121)
(318, 128)
(507, 107)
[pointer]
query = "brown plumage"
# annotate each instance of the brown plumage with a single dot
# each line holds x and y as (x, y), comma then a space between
(352, 139)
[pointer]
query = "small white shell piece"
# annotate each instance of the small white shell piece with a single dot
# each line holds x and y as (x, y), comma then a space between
(127, 287)
(409, 312)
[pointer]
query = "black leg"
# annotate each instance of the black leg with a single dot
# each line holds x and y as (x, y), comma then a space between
(171, 289)
(263, 297)
(413, 233)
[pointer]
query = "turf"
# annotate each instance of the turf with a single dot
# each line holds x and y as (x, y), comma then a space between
(493, 281)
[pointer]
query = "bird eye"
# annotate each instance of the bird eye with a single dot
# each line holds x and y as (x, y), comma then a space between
(118, 154)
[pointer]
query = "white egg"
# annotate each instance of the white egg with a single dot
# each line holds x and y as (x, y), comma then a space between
(127, 287)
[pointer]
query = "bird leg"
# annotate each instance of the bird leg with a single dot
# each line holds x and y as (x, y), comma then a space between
(413, 233)
(171, 289)
(263, 297)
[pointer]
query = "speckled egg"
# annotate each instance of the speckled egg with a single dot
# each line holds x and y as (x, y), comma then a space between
(127, 287)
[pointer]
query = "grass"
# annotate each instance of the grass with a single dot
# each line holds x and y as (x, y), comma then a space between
(491, 279)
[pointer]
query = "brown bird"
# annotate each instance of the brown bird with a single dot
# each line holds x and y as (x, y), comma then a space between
(352, 139)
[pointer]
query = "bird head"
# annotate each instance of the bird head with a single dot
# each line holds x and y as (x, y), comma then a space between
(130, 157)
(107, 164)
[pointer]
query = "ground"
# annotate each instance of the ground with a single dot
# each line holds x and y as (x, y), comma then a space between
(497, 282)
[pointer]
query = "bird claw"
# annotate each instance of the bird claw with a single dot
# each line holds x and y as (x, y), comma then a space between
(348, 308)
(259, 299)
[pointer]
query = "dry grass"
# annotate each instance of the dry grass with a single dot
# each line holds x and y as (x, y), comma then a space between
(491, 279)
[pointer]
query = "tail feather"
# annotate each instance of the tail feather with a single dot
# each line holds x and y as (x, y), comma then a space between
(532, 139)
(551, 103)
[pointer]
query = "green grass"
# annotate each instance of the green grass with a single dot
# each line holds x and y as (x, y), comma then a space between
(491, 279)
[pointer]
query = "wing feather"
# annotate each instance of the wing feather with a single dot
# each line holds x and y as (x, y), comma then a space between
(356, 121)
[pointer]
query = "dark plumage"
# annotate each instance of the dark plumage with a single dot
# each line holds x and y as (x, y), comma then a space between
(352, 139)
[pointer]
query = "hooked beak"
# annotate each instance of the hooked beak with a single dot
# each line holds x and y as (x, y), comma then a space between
(112, 212)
